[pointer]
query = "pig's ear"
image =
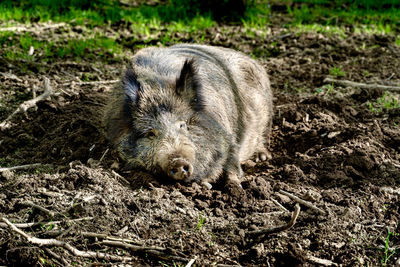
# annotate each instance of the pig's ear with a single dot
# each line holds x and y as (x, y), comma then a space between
(131, 86)
(186, 83)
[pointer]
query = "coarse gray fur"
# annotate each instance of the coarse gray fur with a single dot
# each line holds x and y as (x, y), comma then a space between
(191, 112)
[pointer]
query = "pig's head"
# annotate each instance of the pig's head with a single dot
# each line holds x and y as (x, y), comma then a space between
(153, 130)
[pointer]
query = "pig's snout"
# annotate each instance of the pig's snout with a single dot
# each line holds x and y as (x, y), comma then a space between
(179, 169)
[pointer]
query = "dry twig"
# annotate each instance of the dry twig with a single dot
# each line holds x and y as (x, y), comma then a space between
(122, 179)
(278, 204)
(21, 167)
(44, 191)
(303, 202)
(319, 261)
(33, 205)
(113, 238)
(29, 225)
(261, 233)
(90, 83)
(10, 76)
(190, 263)
(362, 85)
(54, 242)
(28, 104)
(104, 154)
(58, 257)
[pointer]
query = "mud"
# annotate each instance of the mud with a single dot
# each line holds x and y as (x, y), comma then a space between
(327, 145)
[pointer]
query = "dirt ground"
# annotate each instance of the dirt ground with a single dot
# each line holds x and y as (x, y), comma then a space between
(328, 148)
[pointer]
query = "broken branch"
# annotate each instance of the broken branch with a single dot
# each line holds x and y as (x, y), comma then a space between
(190, 263)
(21, 167)
(319, 261)
(35, 206)
(11, 76)
(29, 104)
(278, 204)
(90, 83)
(303, 202)
(362, 85)
(113, 238)
(29, 225)
(266, 231)
(54, 242)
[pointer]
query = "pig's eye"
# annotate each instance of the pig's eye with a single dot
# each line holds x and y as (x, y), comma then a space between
(150, 134)
(182, 125)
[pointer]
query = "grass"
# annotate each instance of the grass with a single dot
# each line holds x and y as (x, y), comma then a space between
(188, 13)
(257, 17)
(325, 89)
(384, 103)
(160, 23)
(100, 12)
(44, 50)
(338, 17)
(318, 28)
(350, 13)
(337, 72)
(388, 252)
(397, 42)
(146, 24)
(200, 222)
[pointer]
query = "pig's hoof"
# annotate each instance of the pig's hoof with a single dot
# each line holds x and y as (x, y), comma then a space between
(262, 155)
(206, 185)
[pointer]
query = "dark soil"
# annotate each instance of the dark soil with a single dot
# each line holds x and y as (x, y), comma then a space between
(327, 147)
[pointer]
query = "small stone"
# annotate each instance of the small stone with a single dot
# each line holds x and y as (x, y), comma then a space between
(7, 174)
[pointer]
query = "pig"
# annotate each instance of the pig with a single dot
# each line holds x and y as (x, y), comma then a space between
(191, 112)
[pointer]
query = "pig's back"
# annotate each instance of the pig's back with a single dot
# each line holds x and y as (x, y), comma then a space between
(234, 89)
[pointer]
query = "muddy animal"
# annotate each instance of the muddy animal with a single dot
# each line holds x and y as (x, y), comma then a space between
(191, 112)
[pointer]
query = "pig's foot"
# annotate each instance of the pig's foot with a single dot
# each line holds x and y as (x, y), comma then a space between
(206, 184)
(262, 155)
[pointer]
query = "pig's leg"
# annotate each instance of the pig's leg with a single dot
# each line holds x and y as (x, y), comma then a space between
(233, 173)
(261, 152)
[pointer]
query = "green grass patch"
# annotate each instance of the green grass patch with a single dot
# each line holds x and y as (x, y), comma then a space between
(45, 10)
(189, 16)
(397, 42)
(6, 36)
(388, 252)
(337, 72)
(384, 103)
(257, 16)
(90, 48)
(373, 17)
(148, 24)
(200, 222)
(318, 28)
(103, 12)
